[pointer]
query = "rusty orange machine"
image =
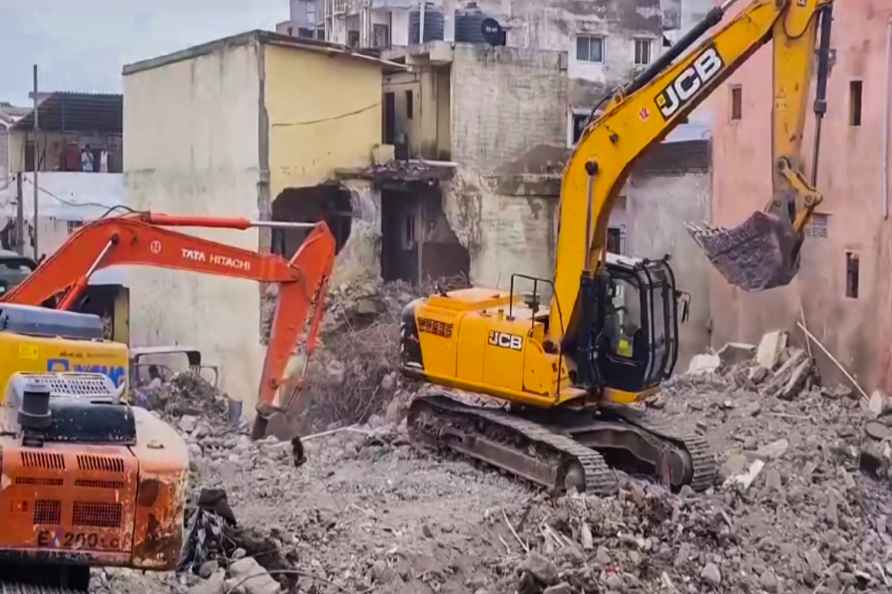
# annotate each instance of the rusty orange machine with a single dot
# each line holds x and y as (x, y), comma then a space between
(86, 479)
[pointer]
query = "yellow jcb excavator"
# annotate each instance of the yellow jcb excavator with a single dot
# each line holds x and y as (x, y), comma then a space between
(562, 376)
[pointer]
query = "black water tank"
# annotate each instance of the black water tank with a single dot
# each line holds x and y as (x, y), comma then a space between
(433, 25)
(469, 24)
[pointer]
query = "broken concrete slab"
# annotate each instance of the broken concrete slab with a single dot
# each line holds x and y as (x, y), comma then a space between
(773, 450)
(745, 480)
(712, 574)
(797, 381)
(879, 404)
(733, 466)
(256, 579)
(736, 352)
(757, 375)
(704, 363)
(770, 348)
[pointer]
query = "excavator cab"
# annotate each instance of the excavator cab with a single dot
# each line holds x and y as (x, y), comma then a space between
(636, 344)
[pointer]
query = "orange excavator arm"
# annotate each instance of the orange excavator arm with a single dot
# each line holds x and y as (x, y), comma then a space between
(144, 239)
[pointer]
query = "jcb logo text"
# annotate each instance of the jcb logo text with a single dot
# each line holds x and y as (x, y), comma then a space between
(505, 341)
(693, 78)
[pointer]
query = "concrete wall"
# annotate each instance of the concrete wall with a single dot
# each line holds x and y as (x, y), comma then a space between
(4, 156)
(851, 175)
(504, 101)
(323, 113)
(193, 147)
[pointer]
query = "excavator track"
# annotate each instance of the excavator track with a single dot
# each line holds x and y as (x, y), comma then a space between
(17, 588)
(702, 458)
(545, 449)
(558, 462)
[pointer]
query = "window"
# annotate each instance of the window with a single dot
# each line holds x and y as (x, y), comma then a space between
(353, 38)
(74, 225)
(852, 274)
(381, 36)
(579, 122)
(614, 240)
(819, 225)
(409, 231)
(590, 49)
(855, 90)
(410, 105)
(736, 102)
(291, 31)
(642, 51)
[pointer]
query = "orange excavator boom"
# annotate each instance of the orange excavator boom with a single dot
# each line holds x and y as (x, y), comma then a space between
(144, 239)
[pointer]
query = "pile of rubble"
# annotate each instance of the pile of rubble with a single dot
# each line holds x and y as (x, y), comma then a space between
(772, 368)
(789, 512)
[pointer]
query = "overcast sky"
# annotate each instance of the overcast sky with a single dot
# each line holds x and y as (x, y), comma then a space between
(81, 45)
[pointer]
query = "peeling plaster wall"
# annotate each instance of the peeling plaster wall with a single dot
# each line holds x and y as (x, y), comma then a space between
(504, 101)
(360, 259)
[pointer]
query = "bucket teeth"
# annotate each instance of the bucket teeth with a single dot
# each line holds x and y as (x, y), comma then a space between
(756, 255)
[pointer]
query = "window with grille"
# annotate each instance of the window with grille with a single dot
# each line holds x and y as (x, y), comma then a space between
(643, 51)
(590, 49)
(381, 35)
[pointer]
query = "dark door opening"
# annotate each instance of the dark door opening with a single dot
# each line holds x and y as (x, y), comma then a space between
(418, 243)
(389, 118)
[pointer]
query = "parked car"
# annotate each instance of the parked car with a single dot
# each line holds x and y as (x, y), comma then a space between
(13, 269)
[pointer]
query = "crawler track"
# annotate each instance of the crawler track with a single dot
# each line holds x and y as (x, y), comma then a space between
(542, 450)
(523, 447)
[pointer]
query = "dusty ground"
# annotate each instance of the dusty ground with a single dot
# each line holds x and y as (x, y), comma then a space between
(370, 513)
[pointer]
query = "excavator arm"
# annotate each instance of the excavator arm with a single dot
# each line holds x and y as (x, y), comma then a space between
(144, 240)
(763, 252)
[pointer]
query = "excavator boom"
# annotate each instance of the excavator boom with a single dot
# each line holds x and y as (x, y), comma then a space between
(144, 240)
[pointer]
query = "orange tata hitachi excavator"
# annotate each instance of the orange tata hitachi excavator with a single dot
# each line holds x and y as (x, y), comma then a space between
(88, 480)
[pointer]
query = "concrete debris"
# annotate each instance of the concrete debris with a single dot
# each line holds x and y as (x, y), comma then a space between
(879, 404)
(703, 364)
(736, 352)
(253, 577)
(745, 479)
(712, 574)
(562, 588)
(773, 450)
(770, 349)
(540, 568)
(212, 585)
(803, 519)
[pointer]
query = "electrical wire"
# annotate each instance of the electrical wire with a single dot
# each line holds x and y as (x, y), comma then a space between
(108, 211)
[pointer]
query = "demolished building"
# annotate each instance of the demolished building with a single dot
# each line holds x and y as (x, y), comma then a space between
(253, 125)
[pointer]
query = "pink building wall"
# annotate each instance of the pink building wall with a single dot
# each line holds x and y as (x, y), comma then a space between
(853, 170)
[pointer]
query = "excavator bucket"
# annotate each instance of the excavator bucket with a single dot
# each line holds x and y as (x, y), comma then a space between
(759, 254)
